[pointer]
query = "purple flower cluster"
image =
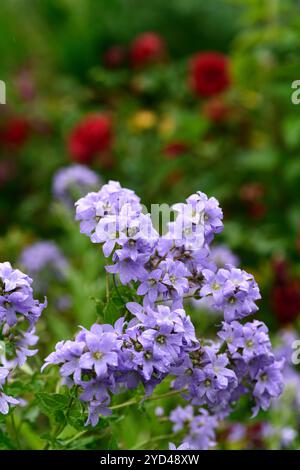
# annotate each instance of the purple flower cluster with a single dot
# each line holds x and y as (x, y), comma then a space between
(105, 359)
(159, 340)
(19, 312)
(44, 262)
(114, 218)
(72, 182)
(231, 290)
(199, 429)
(255, 364)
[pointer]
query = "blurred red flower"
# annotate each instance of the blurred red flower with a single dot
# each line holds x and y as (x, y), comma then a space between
(15, 132)
(252, 192)
(209, 74)
(252, 195)
(286, 301)
(215, 110)
(115, 57)
(92, 135)
(146, 49)
(174, 149)
(285, 294)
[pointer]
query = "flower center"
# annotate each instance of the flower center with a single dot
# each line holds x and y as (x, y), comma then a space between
(187, 231)
(137, 346)
(207, 382)
(97, 355)
(161, 339)
(132, 231)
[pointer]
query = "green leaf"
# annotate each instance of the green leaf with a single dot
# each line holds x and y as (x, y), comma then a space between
(52, 403)
(76, 416)
(5, 441)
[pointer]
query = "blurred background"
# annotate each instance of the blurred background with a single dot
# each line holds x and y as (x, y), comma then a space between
(168, 98)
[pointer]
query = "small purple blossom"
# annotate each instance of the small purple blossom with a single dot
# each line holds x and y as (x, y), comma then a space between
(199, 429)
(44, 262)
(74, 181)
(221, 255)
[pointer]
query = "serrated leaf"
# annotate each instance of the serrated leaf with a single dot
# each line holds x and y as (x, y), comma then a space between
(75, 416)
(51, 403)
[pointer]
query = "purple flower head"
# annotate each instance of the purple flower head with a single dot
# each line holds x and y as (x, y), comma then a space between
(151, 286)
(109, 201)
(16, 297)
(3, 375)
(127, 269)
(220, 256)
(232, 290)
(5, 401)
(268, 385)
(181, 417)
(20, 349)
(200, 428)
(202, 431)
(44, 262)
(246, 341)
(183, 446)
(212, 214)
(74, 181)
(97, 408)
(175, 277)
(101, 353)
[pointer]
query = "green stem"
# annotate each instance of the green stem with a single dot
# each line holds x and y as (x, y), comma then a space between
(133, 401)
(74, 438)
(117, 289)
(164, 437)
(107, 286)
(15, 431)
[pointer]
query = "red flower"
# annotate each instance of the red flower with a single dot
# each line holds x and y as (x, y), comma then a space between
(257, 210)
(215, 110)
(252, 195)
(91, 136)
(146, 49)
(209, 74)
(174, 149)
(252, 192)
(15, 132)
(286, 301)
(115, 57)
(285, 294)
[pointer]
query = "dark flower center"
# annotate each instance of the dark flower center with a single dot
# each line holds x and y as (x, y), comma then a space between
(161, 339)
(207, 382)
(97, 355)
